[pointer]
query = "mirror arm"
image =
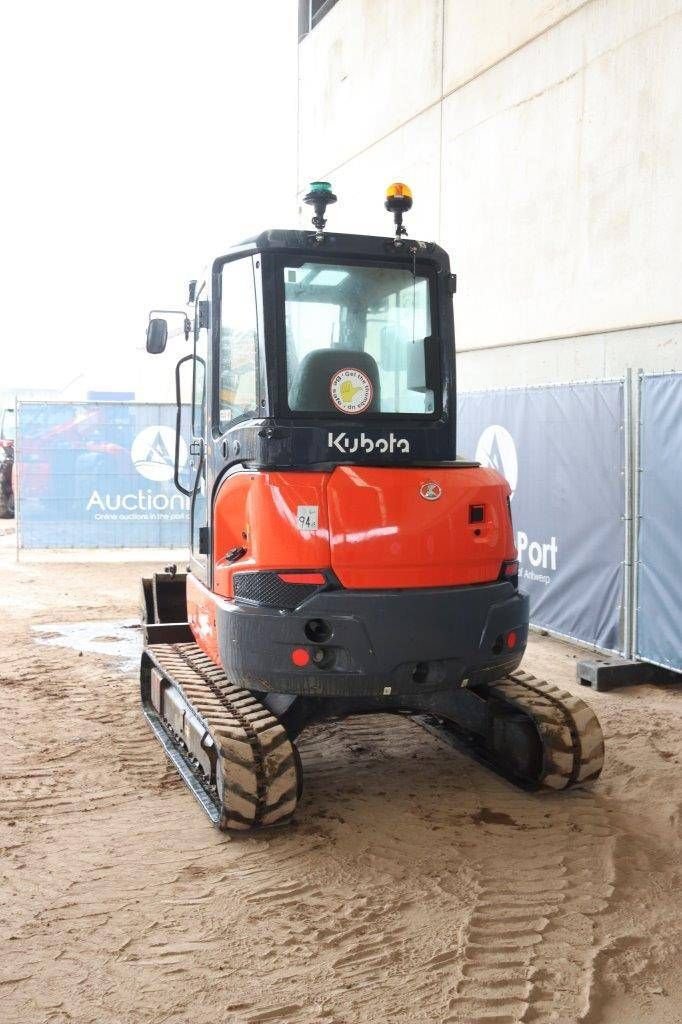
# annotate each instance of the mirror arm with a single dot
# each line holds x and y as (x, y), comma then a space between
(187, 326)
(178, 425)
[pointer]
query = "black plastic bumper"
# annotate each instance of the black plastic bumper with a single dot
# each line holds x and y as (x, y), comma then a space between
(375, 643)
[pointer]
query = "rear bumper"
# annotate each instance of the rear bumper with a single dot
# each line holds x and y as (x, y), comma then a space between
(413, 641)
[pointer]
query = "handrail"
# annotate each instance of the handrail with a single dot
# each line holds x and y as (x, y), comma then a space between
(178, 425)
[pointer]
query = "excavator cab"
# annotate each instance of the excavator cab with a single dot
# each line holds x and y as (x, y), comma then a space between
(343, 560)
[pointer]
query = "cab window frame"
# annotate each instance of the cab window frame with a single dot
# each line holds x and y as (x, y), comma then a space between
(198, 408)
(422, 268)
(250, 253)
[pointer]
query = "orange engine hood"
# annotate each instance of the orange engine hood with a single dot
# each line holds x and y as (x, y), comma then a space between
(383, 533)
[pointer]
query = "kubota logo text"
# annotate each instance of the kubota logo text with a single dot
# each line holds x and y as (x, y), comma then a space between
(348, 445)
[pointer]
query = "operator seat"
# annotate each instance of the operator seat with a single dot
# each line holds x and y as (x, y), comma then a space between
(309, 391)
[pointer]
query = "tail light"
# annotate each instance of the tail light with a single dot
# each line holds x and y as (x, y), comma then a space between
(509, 572)
(302, 577)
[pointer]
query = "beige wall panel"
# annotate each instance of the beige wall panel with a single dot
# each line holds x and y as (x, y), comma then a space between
(479, 33)
(410, 154)
(368, 67)
(562, 171)
(655, 349)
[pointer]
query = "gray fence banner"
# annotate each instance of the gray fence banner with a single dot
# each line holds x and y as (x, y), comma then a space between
(659, 573)
(561, 449)
(98, 474)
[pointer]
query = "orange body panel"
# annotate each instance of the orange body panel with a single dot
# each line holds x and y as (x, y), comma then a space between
(385, 535)
(374, 529)
(258, 511)
(201, 615)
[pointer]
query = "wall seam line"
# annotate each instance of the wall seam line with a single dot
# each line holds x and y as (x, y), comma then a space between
(440, 120)
(443, 96)
(569, 337)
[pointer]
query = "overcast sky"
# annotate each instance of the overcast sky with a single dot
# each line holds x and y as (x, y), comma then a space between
(139, 139)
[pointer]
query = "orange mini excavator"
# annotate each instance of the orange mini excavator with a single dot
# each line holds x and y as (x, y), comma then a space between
(343, 559)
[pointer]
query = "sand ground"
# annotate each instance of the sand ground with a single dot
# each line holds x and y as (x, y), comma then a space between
(414, 885)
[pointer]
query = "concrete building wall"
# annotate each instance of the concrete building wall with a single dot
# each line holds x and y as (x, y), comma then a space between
(542, 141)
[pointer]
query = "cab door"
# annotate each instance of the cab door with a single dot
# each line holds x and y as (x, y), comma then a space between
(200, 541)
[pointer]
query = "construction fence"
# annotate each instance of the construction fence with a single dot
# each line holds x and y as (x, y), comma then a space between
(657, 496)
(561, 449)
(99, 475)
(595, 469)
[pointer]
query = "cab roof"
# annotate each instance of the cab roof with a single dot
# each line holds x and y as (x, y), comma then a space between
(330, 243)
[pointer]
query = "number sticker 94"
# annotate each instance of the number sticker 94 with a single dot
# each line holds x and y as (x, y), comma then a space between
(306, 517)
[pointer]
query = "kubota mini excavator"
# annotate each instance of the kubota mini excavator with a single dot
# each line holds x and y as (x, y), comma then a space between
(343, 559)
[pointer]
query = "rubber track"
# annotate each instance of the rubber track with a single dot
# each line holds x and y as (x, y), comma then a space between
(572, 740)
(256, 771)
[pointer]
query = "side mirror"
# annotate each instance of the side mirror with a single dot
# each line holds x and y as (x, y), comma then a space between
(157, 336)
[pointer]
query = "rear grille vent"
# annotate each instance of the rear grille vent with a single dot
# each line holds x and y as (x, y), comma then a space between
(266, 588)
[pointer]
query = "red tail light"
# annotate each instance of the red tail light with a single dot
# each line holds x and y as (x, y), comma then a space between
(315, 578)
(510, 572)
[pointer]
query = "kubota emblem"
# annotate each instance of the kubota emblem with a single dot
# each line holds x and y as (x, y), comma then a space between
(431, 491)
(351, 390)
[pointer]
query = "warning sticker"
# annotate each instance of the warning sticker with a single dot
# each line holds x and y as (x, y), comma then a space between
(351, 390)
(306, 516)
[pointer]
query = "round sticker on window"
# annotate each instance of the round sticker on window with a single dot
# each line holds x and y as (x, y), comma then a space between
(351, 391)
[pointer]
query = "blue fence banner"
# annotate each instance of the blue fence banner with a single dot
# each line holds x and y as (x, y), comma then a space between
(659, 572)
(99, 474)
(561, 448)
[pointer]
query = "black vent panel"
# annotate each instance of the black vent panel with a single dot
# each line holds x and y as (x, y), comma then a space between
(266, 588)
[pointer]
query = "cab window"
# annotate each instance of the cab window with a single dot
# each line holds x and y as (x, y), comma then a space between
(238, 356)
(358, 340)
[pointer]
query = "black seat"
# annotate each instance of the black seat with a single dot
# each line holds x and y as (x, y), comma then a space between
(309, 391)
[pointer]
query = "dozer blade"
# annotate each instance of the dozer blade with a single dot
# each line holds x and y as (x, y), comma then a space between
(233, 754)
(567, 741)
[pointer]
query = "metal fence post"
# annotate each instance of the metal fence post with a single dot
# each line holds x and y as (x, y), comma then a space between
(636, 474)
(17, 475)
(626, 602)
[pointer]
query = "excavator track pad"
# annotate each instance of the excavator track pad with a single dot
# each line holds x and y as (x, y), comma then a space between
(232, 753)
(569, 742)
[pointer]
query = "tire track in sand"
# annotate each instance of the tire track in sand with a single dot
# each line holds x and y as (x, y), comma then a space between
(527, 953)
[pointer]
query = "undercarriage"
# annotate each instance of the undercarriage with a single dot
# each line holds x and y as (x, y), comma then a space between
(235, 749)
